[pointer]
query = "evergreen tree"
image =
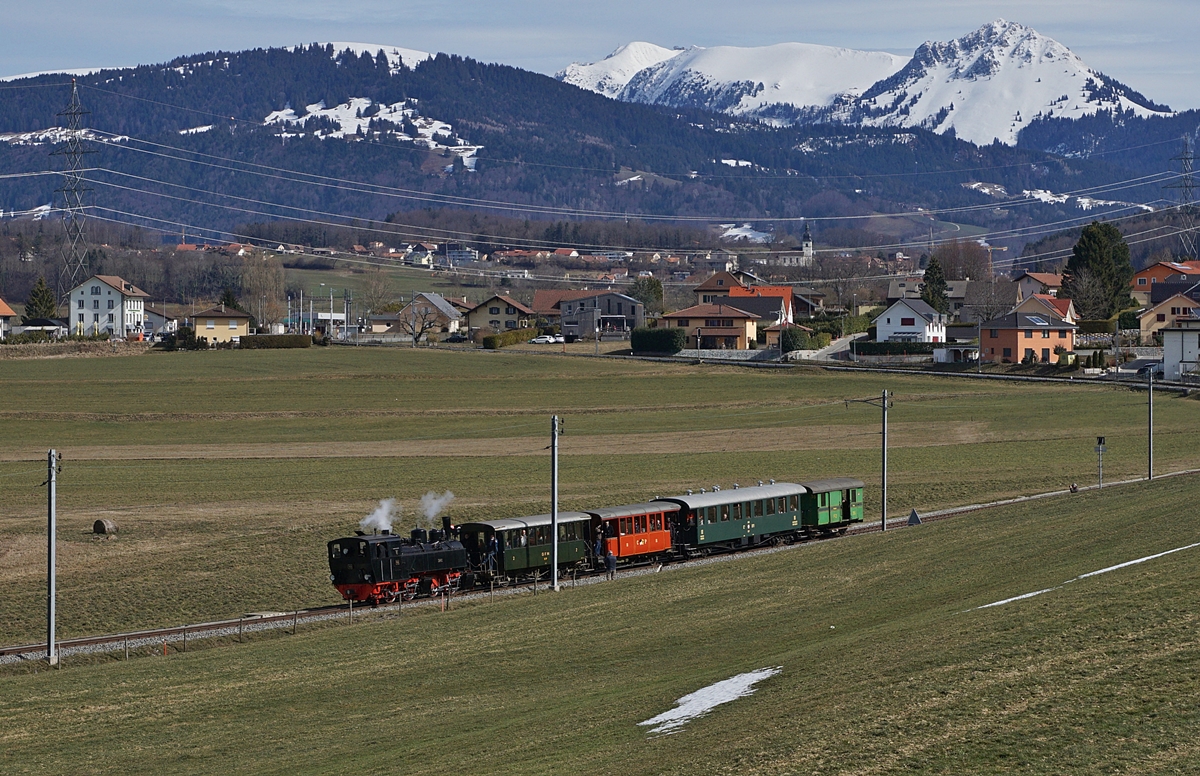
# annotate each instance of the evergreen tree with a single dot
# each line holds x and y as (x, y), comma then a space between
(41, 302)
(933, 292)
(1101, 256)
(230, 300)
(648, 291)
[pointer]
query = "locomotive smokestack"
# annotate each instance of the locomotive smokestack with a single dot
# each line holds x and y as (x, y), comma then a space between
(446, 526)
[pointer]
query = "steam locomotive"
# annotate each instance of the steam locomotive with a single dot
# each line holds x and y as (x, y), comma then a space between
(384, 568)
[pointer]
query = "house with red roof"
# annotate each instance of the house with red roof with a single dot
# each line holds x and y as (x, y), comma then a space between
(717, 284)
(1046, 304)
(107, 303)
(7, 318)
(1161, 272)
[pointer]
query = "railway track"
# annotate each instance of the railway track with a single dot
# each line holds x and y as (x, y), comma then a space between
(178, 635)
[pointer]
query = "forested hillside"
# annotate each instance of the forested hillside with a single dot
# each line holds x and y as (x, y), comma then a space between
(550, 151)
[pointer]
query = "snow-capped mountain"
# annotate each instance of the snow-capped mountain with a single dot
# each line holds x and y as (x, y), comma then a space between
(609, 75)
(986, 85)
(989, 84)
(741, 81)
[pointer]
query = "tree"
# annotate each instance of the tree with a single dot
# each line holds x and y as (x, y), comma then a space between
(648, 291)
(963, 260)
(419, 318)
(230, 300)
(377, 290)
(933, 292)
(1103, 255)
(990, 298)
(41, 302)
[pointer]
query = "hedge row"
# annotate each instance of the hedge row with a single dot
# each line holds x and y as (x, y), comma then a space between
(896, 348)
(275, 341)
(664, 340)
(510, 337)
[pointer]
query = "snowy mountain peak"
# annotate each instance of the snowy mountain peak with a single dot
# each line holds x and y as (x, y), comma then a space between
(986, 85)
(609, 75)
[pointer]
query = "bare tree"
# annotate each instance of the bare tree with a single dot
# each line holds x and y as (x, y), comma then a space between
(963, 259)
(1090, 295)
(378, 291)
(419, 318)
(843, 276)
(263, 288)
(991, 298)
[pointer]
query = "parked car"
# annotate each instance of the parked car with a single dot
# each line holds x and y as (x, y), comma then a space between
(542, 339)
(1156, 368)
(558, 338)
(456, 338)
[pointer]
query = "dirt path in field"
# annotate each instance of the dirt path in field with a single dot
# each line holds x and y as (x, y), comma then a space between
(850, 437)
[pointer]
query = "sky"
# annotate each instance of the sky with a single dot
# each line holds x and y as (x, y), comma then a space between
(1148, 45)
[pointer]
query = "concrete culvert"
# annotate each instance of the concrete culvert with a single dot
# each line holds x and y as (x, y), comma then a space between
(104, 528)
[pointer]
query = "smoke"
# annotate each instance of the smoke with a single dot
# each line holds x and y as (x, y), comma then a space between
(432, 504)
(381, 518)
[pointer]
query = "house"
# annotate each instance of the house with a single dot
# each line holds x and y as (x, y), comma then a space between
(606, 312)
(717, 261)
(158, 322)
(1166, 313)
(716, 327)
(717, 284)
(7, 317)
(806, 302)
(782, 294)
(53, 328)
(500, 313)
(1181, 349)
(456, 253)
(1018, 337)
(768, 310)
(547, 302)
(1161, 292)
(427, 312)
(1030, 283)
(910, 320)
(1045, 304)
(773, 333)
(107, 303)
(565, 253)
(1143, 281)
(910, 288)
(218, 324)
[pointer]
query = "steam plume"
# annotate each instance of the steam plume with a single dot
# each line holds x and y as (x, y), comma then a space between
(381, 518)
(432, 504)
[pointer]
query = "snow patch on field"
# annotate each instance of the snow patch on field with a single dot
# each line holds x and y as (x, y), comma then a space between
(1126, 564)
(706, 699)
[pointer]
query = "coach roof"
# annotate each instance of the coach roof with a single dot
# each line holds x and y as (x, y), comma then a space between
(753, 493)
(628, 510)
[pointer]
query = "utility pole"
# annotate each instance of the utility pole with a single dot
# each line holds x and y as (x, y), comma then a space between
(1100, 448)
(51, 540)
(883, 402)
(555, 430)
(75, 267)
(1150, 423)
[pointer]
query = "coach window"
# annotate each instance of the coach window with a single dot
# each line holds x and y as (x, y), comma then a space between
(625, 525)
(782, 504)
(758, 508)
(770, 506)
(795, 502)
(656, 522)
(712, 515)
(737, 511)
(724, 513)
(639, 524)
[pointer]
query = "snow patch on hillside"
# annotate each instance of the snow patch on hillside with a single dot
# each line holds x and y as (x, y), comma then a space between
(395, 54)
(360, 118)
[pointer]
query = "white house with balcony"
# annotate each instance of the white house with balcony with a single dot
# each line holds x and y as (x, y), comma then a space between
(107, 303)
(910, 320)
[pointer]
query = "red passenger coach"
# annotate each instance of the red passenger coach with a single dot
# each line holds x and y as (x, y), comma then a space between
(635, 531)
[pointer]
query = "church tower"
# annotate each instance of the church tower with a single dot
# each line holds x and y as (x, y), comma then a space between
(806, 245)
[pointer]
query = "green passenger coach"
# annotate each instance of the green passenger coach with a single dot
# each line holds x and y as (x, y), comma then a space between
(523, 544)
(831, 505)
(739, 517)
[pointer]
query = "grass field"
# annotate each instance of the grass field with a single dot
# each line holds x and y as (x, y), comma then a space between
(228, 471)
(887, 665)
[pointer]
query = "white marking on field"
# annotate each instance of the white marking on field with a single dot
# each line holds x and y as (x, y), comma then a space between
(1085, 576)
(702, 701)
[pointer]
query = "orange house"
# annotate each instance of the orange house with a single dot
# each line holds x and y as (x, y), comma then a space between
(1161, 272)
(1013, 338)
